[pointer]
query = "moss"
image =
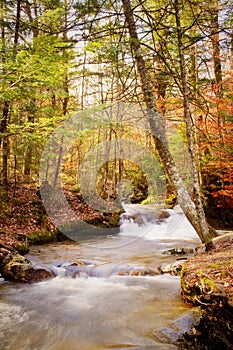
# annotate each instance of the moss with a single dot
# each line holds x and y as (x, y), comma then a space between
(23, 248)
(113, 220)
(186, 291)
(206, 284)
(188, 294)
(107, 221)
(44, 237)
(171, 200)
(149, 200)
(220, 264)
(182, 272)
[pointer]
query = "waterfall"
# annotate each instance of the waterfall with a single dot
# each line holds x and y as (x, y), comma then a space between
(155, 224)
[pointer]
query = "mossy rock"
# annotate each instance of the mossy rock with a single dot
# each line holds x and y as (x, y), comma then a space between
(23, 248)
(45, 237)
(17, 268)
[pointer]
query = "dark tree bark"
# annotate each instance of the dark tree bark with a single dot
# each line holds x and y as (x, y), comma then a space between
(4, 139)
(5, 143)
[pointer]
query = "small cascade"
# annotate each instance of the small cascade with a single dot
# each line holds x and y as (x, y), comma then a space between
(108, 270)
(156, 224)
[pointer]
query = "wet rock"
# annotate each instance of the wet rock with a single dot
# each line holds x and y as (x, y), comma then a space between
(6, 246)
(78, 263)
(143, 272)
(137, 272)
(76, 268)
(15, 267)
(140, 219)
(164, 215)
(11, 244)
(80, 268)
(179, 251)
(4, 252)
(90, 270)
(185, 324)
(79, 271)
(149, 216)
(173, 269)
(214, 331)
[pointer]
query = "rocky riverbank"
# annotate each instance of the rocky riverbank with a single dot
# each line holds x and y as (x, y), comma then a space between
(24, 222)
(207, 278)
(207, 282)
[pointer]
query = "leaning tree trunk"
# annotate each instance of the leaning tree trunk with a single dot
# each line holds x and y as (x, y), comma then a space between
(158, 131)
(189, 129)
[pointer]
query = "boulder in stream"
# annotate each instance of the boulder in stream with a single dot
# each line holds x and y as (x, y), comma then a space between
(79, 262)
(136, 272)
(144, 217)
(174, 268)
(179, 251)
(16, 267)
(184, 325)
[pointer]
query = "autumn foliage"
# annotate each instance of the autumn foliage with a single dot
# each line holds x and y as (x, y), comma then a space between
(216, 148)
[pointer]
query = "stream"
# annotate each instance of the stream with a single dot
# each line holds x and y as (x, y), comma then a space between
(102, 307)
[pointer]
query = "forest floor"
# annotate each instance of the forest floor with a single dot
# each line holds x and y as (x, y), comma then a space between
(207, 282)
(207, 277)
(23, 218)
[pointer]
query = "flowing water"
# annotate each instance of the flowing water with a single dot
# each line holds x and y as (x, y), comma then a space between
(100, 308)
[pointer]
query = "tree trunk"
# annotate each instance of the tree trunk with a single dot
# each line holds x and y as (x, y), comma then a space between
(189, 129)
(215, 40)
(17, 26)
(66, 82)
(218, 86)
(156, 125)
(29, 150)
(4, 139)
(5, 144)
(66, 98)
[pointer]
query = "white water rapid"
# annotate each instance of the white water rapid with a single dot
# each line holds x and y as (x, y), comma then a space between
(100, 305)
(154, 224)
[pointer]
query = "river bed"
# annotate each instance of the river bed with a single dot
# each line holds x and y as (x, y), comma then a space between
(100, 309)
